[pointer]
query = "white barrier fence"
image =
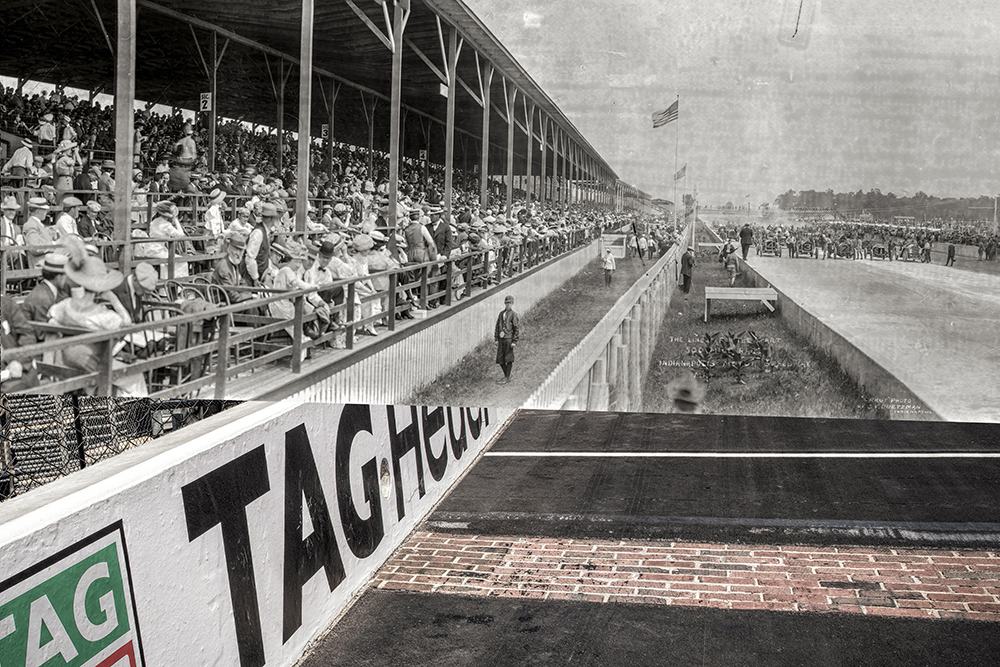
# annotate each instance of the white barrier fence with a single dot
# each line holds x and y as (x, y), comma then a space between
(605, 370)
(233, 542)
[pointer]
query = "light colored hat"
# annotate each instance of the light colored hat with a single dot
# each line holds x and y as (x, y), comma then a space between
(71, 202)
(94, 206)
(377, 236)
(340, 208)
(216, 196)
(146, 276)
(54, 262)
(363, 242)
(268, 210)
(87, 271)
(9, 204)
(38, 204)
(108, 164)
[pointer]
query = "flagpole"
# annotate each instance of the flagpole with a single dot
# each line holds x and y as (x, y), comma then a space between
(677, 133)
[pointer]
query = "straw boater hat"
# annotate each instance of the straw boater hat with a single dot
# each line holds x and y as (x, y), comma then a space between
(9, 204)
(108, 164)
(89, 272)
(38, 204)
(54, 262)
(216, 196)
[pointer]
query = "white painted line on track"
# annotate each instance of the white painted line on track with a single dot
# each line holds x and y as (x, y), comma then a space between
(749, 455)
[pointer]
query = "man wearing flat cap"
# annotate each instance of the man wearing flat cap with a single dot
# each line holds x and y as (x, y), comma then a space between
(66, 221)
(35, 231)
(506, 334)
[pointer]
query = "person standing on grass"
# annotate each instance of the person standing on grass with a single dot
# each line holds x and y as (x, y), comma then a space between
(506, 333)
(609, 267)
(746, 239)
(687, 267)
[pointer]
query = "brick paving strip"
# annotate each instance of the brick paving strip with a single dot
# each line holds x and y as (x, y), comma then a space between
(921, 583)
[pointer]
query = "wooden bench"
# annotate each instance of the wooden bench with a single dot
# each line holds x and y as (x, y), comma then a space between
(762, 294)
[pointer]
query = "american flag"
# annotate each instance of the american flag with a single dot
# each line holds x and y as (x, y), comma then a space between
(681, 174)
(664, 117)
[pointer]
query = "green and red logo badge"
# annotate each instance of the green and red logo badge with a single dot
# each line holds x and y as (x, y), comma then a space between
(74, 609)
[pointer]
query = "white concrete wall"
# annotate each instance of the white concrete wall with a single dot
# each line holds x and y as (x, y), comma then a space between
(200, 543)
(396, 373)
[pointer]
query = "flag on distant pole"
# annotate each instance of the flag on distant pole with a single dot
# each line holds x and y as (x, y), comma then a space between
(664, 117)
(681, 174)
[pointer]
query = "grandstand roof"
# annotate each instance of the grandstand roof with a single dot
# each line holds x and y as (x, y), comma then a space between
(64, 42)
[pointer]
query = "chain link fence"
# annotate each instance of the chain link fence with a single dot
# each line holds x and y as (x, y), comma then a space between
(43, 438)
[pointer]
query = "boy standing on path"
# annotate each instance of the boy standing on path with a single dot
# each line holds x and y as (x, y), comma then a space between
(506, 333)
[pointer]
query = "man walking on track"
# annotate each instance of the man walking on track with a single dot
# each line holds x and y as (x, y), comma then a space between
(746, 239)
(609, 267)
(687, 265)
(507, 331)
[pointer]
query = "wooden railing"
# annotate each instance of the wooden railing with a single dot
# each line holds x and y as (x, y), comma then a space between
(236, 339)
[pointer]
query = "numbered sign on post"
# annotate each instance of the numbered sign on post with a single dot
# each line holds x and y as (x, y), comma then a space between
(423, 155)
(206, 102)
(325, 131)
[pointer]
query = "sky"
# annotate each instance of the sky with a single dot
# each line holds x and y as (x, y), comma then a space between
(900, 96)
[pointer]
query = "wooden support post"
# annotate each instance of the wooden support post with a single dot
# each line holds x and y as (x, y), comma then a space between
(305, 116)
(402, 14)
(124, 131)
(486, 80)
(449, 128)
(281, 116)
(510, 96)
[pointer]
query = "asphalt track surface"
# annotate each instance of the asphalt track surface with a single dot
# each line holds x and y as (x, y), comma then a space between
(638, 478)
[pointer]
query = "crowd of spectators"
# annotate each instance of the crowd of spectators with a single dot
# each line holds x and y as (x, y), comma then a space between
(865, 240)
(237, 228)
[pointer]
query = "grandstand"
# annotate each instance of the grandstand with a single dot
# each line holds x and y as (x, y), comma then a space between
(413, 110)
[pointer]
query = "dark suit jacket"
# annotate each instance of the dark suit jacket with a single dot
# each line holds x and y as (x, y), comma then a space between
(227, 275)
(36, 309)
(443, 238)
(129, 299)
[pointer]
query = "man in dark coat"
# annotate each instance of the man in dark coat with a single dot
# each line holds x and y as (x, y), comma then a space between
(746, 239)
(506, 334)
(50, 289)
(687, 267)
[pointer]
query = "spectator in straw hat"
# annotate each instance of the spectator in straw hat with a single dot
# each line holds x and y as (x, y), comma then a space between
(35, 231)
(89, 219)
(20, 163)
(50, 290)
(89, 278)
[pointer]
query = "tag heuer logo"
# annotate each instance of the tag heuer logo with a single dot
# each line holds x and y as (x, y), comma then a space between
(74, 609)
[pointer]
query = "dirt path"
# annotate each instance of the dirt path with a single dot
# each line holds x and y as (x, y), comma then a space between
(548, 332)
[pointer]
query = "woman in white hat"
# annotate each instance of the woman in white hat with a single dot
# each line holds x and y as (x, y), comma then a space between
(89, 278)
(214, 223)
(64, 168)
(361, 245)
(166, 226)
